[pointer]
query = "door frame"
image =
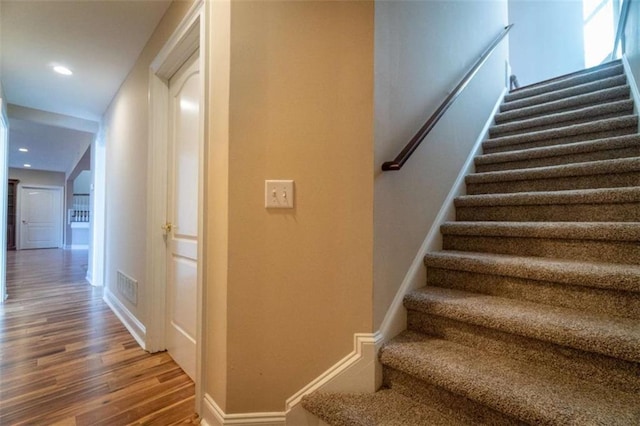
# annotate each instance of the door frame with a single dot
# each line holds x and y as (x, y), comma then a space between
(20, 212)
(186, 39)
(4, 175)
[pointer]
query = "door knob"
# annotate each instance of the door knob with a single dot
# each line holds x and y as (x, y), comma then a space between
(25, 222)
(167, 227)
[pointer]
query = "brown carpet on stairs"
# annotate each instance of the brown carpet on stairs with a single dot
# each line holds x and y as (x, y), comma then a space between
(531, 312)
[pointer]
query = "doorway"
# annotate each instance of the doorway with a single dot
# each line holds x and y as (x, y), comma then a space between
(40, 224)
(187, 41)
(182, 234)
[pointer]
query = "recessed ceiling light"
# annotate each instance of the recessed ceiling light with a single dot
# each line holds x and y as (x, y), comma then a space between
(27, 165)
(23, 150)
(60, 69)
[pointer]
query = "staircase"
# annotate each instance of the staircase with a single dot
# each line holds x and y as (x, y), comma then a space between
(531, 313)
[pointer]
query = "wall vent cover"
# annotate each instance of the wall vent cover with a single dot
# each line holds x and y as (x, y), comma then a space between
(128, 287)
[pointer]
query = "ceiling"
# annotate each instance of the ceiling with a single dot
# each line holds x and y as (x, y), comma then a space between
(99, 40)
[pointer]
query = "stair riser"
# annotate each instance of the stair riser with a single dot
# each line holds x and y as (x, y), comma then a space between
(600, 301)
(566, 83)
(610, 154)
(570, 104)
(617, 180)
(625, 252)
(552, 124)
(593, 367)
(603, 212)
(562, 94)
(491, 147)
(464, 409)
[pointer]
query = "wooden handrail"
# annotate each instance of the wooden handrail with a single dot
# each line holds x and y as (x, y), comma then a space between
(413, 144)
(622, 23)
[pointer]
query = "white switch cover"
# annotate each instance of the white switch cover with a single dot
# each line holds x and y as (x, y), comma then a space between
(278, 194)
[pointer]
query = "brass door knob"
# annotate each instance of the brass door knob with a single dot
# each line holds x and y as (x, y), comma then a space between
(167, 227)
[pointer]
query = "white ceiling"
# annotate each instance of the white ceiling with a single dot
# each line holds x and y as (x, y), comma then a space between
(99, 40)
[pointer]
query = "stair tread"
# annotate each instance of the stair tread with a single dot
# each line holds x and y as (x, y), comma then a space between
(591, 74)
(617, 165)
(617, 92)
(582, 273)
(558, 150)
(613, 336)
(531, 393)
(564, 116)
(564, 93)
(385, 407)
(578, 196)
(559, 132)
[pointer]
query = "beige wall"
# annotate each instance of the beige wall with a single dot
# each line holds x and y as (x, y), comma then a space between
(126, 139)
(295, 284)
(37, 177)
(422, 51)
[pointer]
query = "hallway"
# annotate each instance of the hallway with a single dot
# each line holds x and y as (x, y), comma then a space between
(66, 359)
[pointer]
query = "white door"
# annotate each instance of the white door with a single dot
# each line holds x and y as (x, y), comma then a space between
(182, 215)
(40, 217)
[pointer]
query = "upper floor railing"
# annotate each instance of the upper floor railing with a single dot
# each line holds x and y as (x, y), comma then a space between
(622, 23)
(80, 211)
(413, 144)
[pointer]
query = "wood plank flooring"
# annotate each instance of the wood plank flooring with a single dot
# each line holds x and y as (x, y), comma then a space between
(65, 359)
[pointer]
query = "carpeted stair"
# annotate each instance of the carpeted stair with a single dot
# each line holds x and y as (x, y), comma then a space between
(531, 313)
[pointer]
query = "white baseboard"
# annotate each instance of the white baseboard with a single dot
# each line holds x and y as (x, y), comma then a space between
(635, 93)
(135, 327)
(395, 320)
(359, 371)
(213, 415)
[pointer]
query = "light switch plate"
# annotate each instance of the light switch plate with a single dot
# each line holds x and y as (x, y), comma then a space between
(278, 194)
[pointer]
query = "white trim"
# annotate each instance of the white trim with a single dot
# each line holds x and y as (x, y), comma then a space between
(635, 93)
(189, 36)
(181, 45)
(359, 371)
(394, 321)
(215, 416)
(97, 240)
(156, 185)
(4, 175)
(135, 327)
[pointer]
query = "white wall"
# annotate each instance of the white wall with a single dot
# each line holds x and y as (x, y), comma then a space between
(546, 40)
(422, 50)
(82, 183)
(37, 177)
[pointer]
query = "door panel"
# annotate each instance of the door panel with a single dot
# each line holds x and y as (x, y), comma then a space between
(182, 213)
(41, 217)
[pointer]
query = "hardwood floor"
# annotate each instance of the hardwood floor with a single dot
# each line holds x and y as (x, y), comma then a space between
(65, 359)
